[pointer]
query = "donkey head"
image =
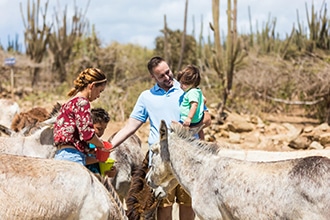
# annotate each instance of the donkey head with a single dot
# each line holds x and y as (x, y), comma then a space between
(160, 176)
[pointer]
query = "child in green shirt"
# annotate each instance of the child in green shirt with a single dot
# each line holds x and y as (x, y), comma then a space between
(192, 101)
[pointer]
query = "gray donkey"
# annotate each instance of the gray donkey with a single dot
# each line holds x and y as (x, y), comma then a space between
(227, 188)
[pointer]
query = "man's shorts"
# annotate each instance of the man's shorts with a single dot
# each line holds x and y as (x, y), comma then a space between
(178, 195)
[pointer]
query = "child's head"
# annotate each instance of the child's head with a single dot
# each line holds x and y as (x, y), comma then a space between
(101, 119)
(189, 77)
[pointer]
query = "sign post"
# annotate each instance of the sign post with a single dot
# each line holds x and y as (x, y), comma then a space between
(11, 62)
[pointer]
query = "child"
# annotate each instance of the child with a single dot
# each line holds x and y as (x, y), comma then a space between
(101, 119)
(192, 102)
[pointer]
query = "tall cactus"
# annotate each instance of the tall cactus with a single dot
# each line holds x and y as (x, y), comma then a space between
(166, 48)
(35, 37)
(318, 27)
(183, 41)
(225, 63)
(62, 40)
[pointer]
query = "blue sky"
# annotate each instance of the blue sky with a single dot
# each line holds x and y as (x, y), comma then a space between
(140, 21)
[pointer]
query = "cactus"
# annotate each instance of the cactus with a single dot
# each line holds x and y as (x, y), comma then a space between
(166, 50)
(13, 45)
(62, 40)
(183, 41)
(225, 63)
(35, 39)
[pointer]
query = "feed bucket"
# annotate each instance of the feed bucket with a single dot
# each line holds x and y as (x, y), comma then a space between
(106, 165)
(102, 155)
(107, 145)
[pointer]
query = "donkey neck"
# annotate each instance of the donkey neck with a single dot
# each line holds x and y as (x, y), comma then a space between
(186, 160)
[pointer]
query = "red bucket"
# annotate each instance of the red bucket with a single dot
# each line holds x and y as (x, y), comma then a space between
(107, 145)
(102, 155)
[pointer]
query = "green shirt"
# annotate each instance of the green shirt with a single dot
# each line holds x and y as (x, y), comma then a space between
(192, 95)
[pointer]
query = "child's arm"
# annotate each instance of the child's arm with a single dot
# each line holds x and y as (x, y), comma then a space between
(192, 111)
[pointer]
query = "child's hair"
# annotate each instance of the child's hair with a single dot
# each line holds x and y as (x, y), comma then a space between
(99, 115)
(190, 76)
(87, 76)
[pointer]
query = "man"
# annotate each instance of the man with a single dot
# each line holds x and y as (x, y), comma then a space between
(161, 102)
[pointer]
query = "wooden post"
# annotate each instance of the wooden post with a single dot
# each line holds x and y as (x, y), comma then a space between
(12, 81)
(10, 62)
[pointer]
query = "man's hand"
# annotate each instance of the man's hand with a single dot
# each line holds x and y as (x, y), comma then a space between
(207, 119)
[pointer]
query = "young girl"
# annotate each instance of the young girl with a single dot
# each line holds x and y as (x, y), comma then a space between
(192, 101)
(74, 130)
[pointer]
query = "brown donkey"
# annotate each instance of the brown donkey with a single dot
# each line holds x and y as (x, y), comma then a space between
(140, 201)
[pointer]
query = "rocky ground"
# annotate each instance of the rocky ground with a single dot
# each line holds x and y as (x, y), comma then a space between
(266, 132)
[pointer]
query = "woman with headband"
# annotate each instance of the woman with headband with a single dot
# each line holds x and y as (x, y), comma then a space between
(73, 130)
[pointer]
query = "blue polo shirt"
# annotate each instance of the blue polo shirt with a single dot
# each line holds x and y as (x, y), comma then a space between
(157, 104)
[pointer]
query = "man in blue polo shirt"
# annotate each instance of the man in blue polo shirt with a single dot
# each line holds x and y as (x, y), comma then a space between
(161, 102)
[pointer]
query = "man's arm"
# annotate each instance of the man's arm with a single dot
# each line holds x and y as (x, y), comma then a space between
(207, 118)
(130, 128)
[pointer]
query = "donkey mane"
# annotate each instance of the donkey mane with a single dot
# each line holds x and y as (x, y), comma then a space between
(140, 201)
(107, 184)
(189, 136)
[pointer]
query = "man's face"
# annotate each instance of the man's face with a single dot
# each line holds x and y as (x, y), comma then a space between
(100, 128)
(163, 76)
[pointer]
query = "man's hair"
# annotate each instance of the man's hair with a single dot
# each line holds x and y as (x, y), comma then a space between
(99, 115)
(153, 62)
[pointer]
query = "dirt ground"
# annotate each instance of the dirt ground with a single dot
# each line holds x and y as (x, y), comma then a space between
(142, 133)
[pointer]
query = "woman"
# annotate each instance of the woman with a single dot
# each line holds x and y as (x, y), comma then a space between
(73, 130)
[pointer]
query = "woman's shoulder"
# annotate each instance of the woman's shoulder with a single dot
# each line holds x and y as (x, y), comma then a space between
(79, 101)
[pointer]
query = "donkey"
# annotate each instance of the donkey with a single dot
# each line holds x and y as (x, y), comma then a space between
(140, 201)
(227, 188)
(265, 156)
(27, 122)
(35, 188)
(8, 111)
(127, 155)
(39, 144)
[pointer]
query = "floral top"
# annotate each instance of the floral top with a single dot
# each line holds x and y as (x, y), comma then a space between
(74, 124)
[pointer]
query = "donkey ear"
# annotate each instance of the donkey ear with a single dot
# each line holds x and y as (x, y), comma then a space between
(155, 148)
(162, 131)
(163, 142)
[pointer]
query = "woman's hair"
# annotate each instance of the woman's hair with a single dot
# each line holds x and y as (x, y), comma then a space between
(190, 76)
(99, 115)
(87, 76)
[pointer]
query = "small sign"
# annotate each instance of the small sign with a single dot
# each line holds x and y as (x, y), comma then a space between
(10, 61)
